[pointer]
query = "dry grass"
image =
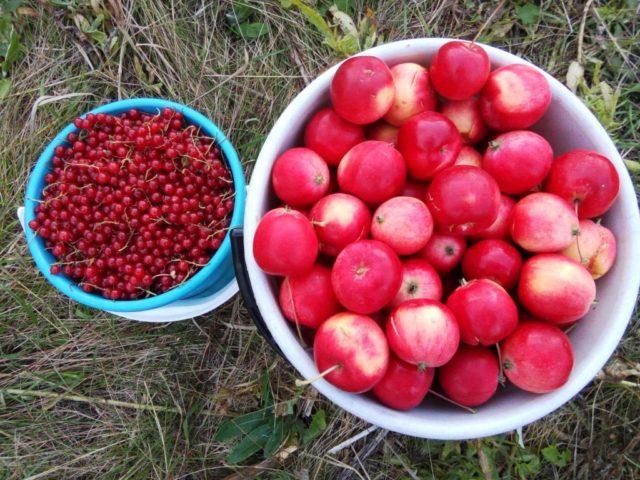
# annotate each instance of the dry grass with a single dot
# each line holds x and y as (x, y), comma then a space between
(181, 381)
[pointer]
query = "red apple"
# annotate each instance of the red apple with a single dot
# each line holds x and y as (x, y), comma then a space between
(330, 136)
(495, 260)
(300, 177)
(362, 89)
(355, 347)
(465, 115)
(543, 222)
(308, 299)
(471, 377)
(484, 310)
(537, 357)
(285, 243)
(419, 280)
(594, 247)
(373, 171)
(584, 178)
(444, 251)
(403, 223)
(515, 97)
(469, 156)
(429, 142)
(423, 332)
(459, 69)
(413, 93)
(518, 160)
(403, 386)
(501, 227)
(383, 132)
(339, 219)
(463, 199)
(366, 276)
(556, 288)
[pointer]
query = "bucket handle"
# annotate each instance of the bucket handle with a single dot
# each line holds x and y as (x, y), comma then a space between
(242, 276)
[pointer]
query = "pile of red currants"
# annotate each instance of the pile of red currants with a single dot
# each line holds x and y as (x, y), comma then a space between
(134, 204)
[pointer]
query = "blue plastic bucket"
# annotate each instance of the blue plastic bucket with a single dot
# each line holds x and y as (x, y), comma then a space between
(214, 275)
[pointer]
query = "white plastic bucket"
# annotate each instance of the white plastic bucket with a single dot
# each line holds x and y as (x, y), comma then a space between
(567, 124)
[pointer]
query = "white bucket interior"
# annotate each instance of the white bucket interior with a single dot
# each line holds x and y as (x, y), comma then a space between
(567, 124)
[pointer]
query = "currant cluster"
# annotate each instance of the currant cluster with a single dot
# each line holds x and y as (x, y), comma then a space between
(136, 203)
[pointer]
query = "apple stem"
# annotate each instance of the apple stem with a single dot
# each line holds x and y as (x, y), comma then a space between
(301, 383)
(484, 25)
(494, 145)
(577, 235)
(295, 313)
(568, 330)
(453, 402)
(501, 377)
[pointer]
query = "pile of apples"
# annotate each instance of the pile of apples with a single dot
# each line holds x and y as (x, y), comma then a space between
(424, 227)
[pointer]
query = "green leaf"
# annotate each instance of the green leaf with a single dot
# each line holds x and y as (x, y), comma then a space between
(238, 13)
(84, 24)
(252, 443)
(528, 13)
(9, 6)
(555, 456)
(317, 426)
(85, 314)
(344, 21)
(252, 30)
(97, 22)
(281, 430)
(314, 18)
(114, 44)
(346, 45)
(527, 464)
(449, 448)
(367, 32)
(241, 425)
(5, 86)
(634, 167)
(286, 3)
(266, 397)
(10, 50)
(488, 461)
(5, 26)
(99, 37)
(346, 6)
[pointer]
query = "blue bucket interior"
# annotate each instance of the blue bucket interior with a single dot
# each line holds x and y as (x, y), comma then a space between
(212, 277)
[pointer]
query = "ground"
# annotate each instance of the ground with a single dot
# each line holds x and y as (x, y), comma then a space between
(84, 394)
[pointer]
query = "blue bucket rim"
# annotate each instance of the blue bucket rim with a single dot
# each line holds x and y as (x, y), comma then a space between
(69, 288)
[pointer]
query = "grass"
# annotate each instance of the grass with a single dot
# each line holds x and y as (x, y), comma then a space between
(85, 395)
